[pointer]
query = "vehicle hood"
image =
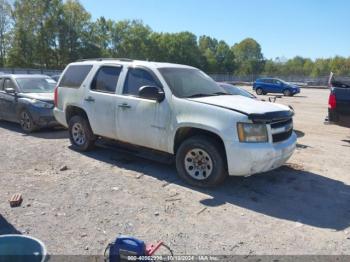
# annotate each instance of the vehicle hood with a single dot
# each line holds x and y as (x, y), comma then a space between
(256, 110)
(46, 97)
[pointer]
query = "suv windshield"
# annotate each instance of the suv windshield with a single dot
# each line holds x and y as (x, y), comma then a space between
(36, 85)
(188, 82)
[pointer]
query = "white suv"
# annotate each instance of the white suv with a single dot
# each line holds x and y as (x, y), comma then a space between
(175, 109)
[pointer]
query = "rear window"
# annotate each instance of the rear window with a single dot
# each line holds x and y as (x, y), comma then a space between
(75, 75)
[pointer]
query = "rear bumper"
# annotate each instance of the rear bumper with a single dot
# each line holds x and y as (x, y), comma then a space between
(60, 117)
(246, 159)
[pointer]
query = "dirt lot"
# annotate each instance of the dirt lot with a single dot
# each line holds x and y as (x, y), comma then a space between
(301, 208)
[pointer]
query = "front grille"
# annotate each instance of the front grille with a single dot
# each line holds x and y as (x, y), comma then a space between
(281, 136)
(281, 123)
(281, 130)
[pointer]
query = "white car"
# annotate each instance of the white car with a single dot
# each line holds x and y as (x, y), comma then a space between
(175, 109)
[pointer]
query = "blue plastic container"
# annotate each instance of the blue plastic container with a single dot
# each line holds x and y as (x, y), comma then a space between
(125, 247)
(18, 248)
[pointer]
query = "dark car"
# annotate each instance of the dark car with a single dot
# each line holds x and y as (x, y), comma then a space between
(56, 77)
(235, 90)
(262, 86)
(339, 102)
(27, 100)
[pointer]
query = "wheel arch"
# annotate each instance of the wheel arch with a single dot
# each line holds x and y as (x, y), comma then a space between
(185, 132)
(72, 110)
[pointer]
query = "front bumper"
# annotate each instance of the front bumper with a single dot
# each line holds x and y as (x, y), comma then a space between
(246, 159)
(43, 117)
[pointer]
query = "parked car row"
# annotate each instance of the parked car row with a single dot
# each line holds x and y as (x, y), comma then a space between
(211, 130)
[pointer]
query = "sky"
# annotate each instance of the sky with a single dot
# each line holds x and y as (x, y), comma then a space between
(283, 28)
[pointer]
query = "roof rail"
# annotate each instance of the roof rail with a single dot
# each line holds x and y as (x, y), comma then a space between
(106, 59)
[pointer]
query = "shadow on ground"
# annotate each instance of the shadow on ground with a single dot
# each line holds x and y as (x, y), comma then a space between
(288, 193)
(45, 133)
(6, 228)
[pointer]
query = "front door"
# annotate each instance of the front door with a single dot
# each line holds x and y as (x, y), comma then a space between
(141, 121)
(100, 100)
(8, 101)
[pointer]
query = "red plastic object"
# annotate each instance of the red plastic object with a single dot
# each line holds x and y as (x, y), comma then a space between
(152, 248)
(332, 101)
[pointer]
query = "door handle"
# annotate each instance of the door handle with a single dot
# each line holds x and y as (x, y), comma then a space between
(124, 105)
(89, 99)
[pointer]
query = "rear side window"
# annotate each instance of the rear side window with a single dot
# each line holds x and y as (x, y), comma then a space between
(137, 78)
(75, 75)
(106, 79)
(1, 84)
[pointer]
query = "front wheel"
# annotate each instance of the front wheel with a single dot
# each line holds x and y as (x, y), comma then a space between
(80, 133)
(287, 92)
(26, 122)
(200, 162)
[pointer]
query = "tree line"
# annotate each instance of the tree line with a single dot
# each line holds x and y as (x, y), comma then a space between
(49, 34)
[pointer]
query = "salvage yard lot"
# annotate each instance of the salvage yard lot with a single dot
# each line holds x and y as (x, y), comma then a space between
(301, 208)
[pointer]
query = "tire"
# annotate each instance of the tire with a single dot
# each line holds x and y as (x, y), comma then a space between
(259, 91)
(192, 152)
(80, 133)
(26, 122)
(287, 92)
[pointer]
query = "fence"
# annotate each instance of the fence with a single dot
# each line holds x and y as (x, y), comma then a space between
(48, 72)
(300, 80)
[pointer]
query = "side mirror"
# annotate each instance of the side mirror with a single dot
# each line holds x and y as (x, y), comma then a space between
(152, 92)
(10, 90)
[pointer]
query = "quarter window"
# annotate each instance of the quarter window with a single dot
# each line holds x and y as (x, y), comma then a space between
(1, 84)
(137, 78)
(106, 79)
(75, 76)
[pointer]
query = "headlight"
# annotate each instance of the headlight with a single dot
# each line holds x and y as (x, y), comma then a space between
(42, 104)
(252, 133)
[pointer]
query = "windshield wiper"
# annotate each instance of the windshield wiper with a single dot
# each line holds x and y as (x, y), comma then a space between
(212, 94)
(221, 94)
(199, 95)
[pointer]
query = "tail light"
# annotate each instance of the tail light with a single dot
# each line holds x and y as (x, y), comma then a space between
(332, 102)
(56, 96)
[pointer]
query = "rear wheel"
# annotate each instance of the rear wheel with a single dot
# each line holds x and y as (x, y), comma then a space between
(80, 133)
(201, 162)
(26, 122)
(259, 91)
(287, 92)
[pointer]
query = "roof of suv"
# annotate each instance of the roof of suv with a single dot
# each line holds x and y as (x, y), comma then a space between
(129, 62)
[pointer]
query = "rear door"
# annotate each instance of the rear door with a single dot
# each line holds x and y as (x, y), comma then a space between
(9, 101)
(100, 100)
(269, 86)
(277, 85)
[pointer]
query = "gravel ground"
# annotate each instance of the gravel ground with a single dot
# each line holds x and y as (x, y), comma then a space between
(301, 208)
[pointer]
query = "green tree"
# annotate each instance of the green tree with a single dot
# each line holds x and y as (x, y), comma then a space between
(131, 39)
(5, 23)
(102, 32)
(75, 33)
(249, 57)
